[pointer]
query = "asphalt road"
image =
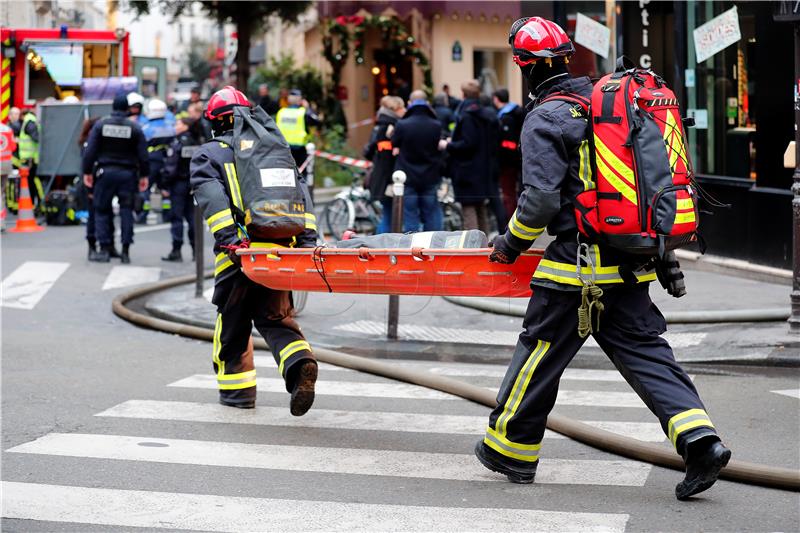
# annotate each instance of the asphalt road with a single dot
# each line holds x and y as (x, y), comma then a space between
(108, 427)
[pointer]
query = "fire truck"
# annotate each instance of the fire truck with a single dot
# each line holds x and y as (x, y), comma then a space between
(42, 64)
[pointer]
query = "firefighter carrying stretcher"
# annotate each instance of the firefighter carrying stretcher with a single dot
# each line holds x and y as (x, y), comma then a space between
(221, 186)
(583, 285)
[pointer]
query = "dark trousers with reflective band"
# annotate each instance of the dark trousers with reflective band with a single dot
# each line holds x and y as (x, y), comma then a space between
(111, 182)
(241, 304)
(182, 209)
(630, 329)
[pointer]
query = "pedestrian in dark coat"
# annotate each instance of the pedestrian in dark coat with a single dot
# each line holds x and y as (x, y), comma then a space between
(473, 157)
(379, 151)
(417, 141)
(443, 112)
(511, 116)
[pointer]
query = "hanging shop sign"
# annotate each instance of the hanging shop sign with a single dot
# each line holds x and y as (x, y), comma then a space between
(592, 35)
(717, 34)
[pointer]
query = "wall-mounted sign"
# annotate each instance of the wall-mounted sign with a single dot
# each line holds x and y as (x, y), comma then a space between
(689, 77)
(458, 52)
(592, 35)
(717, 34)
(700, 117)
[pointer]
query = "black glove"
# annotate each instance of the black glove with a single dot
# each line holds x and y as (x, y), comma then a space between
(236, 259)
(501, 252)
(670, 276)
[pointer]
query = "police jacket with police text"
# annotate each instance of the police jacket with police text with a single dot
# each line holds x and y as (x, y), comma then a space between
(556, 167)
(213, 176)
(116, 141)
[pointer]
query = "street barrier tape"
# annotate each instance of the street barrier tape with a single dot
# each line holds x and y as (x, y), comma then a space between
(365, 122)
(344, 160)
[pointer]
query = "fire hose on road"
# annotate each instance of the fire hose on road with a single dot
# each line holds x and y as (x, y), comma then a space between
(744, 472)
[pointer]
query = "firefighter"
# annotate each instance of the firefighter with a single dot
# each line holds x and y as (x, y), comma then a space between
(555, 168)
(29, 154)
(118, 147)
(159, 133)
(294, 121)
(240, 302)
(175, 184)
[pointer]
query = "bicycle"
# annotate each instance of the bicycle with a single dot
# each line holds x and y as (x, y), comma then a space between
(352, 209)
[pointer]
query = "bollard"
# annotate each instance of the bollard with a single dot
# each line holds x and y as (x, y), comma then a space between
(199, 235)
(399, 179)
(311, 149)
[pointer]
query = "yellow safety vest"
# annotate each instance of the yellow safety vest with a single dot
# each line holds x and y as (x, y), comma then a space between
(28, 148)
(292, 123)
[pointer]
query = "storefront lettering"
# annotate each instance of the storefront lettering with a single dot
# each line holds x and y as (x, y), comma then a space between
(645, 60)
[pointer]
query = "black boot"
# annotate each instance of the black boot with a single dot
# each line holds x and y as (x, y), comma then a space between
(113, 253)
(704, 458)
(103, 256)
(124, 257)
(175, 255)
(518, 472)
(92, 250)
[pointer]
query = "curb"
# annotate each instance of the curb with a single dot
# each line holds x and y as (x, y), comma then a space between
(736, 267)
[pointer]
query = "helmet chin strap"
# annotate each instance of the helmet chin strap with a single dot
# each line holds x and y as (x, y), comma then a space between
(542, 72)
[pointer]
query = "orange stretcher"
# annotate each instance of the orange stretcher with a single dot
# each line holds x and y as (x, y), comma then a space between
(415, 271)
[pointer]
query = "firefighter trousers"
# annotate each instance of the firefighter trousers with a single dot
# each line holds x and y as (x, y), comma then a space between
(241, 303)
(629, 334)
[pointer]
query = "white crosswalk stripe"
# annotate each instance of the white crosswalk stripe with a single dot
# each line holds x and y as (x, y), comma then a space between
(447, 466)
(133, 508)
(399, 390)
(349, 420)
(128, 276)
(791, 393)
(27, 285)
(479, 336)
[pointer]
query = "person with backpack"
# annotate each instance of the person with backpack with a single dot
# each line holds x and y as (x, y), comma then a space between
(175, 184)
(246, 184)
(583, 284)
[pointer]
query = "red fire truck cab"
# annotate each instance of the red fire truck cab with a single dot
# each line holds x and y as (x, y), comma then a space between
(38, 64)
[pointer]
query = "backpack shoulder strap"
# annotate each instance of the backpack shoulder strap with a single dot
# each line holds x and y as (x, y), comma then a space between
(570, 98)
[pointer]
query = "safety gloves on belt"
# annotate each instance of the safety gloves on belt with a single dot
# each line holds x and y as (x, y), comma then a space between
(501, 252)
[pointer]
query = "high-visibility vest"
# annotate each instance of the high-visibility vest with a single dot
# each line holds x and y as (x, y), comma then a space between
(292, 123)
(28, 148)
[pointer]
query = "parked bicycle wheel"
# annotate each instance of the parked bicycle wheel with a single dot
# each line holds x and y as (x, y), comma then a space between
(453, 218)
(337, 217)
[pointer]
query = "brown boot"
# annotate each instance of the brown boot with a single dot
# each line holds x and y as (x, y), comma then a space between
(303, 391)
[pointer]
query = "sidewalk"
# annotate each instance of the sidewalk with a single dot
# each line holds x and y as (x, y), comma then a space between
(435, 329)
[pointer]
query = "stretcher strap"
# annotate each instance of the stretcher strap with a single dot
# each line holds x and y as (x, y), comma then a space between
(319, 264)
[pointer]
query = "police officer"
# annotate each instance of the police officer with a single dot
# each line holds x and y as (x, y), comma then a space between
(159, 133)
(175, 184)
(119, 148)
(241, 302)
(294, 121)
(555, 169)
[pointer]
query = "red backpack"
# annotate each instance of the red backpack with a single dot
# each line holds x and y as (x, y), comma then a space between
(643, 201)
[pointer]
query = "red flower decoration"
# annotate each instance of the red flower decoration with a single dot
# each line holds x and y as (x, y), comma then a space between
(357, 20)
(341, 20)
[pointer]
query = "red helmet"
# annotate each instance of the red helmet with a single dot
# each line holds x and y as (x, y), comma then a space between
(535, 38)
(223, 101)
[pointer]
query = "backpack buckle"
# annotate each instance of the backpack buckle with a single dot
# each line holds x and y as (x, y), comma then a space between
(610, 86)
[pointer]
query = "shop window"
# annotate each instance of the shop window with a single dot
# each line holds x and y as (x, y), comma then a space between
(736, 91)
(585, 62)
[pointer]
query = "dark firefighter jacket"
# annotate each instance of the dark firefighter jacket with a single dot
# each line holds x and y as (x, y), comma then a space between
(213, 176)
(556, 166)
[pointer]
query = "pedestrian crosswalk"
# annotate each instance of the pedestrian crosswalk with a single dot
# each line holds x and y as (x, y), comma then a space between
(419, 453)
(28, 284)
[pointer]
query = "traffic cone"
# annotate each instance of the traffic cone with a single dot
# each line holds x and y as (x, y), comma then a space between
(26, 222)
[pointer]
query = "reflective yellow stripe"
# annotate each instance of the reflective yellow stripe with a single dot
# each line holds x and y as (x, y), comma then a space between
(521, 385)
(216, 216)
(565, 273)
(522, 452)
(682, 218)
(223, 224)
(684, 203)
(522, 231)
(686, 420)
(242, 380)
(265, 245)
(674, 141)
(291, 349)
(311, 221)
(217, 342)
(585, 167)
(504, 440)
(223, 266)
(624, 170)
(233, 185)
(623, 188)
(237, 386)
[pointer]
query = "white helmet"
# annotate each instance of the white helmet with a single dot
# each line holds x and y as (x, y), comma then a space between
(71, 99)
(156, 109)
(135, 98)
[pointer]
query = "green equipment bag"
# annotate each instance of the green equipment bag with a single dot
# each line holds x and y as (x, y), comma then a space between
(273, 201)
